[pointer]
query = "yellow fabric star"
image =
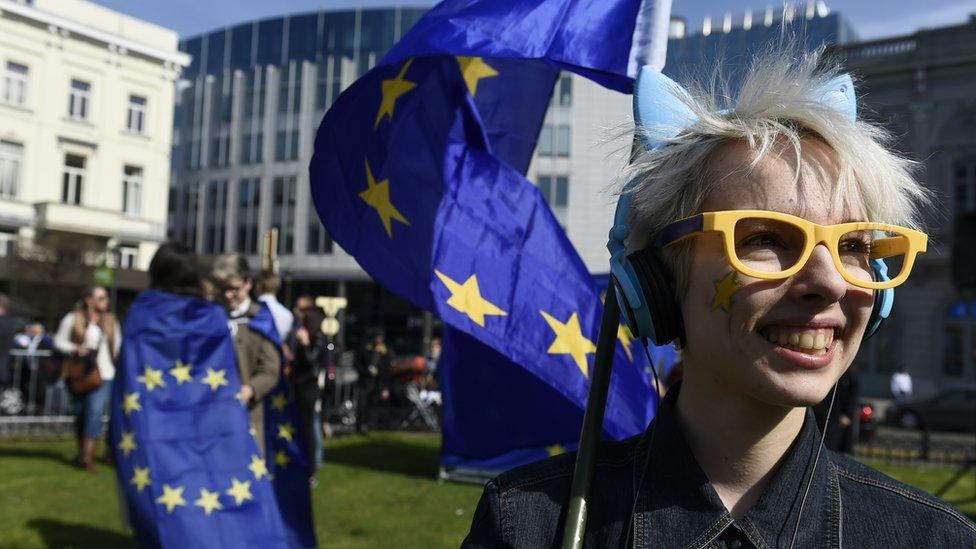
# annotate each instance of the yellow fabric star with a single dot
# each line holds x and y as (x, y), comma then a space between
(625, 338)
(208, 501)
(724, 290)
(171, 498)
(152, 378)
(279, 401)
(377, 195)
(467, 299)
(130, 403)
(215, 379)
(474, 69)
(240, 491)
(281, 459)
(286, 431)
(140, 478)
(555, 450)
(392, 90)
(181, 372)
(127, 443)
(258, 467)
(570, 340)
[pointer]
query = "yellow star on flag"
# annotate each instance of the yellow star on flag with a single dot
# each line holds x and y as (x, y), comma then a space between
(258, 467)
(140, 478)
(181, 372)
(152, 378)
(474, 69)
(215, 379)
(240, 491)
(127, 443)
(377, 195)
(281, 459)
(286, 431)
(279, 401)
(171, 498)
(130, 403)
(555, 450)
(724, 290)
(467, 299)
(625, 338)
(570, 340)
(208, 501)
(392, 90)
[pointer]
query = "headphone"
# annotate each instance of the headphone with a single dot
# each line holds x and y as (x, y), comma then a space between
(645, 287)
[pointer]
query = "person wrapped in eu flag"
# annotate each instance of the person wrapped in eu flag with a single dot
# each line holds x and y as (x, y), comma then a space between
(191, 471)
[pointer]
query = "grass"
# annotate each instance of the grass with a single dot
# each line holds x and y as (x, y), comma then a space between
(375, 491)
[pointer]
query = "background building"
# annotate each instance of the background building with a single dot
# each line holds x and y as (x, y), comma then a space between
(922, 87)
(86, 103)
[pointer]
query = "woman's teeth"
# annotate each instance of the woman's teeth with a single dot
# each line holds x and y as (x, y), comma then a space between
(803, 340)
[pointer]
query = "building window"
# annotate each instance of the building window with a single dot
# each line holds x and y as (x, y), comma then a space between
(562, 140)
(252, 149)
(319, 241)
(132, 190)
(280, 145)
(79, 99)
(11, 159)
(555, 189)
(8, 243)
(545, 140)
(328, 83)
(15, 84)
(214, 241)
(286, 146)
(74, 179)
(964, 191)
(249, 206)
(220, 151)
(191, 199)
(290, 89)
(565, 89)
(135, 120)
(128, 257)
(283, 212)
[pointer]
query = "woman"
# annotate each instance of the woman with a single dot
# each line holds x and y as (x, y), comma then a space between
(91, 332)
(258, 360)
(310, 350)
(733, 213)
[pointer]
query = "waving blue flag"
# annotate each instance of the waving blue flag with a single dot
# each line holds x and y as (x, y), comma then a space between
(287, 460)
(419, 183)
(191, 472)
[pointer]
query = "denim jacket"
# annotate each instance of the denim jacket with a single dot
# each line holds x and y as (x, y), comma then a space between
(849, 504)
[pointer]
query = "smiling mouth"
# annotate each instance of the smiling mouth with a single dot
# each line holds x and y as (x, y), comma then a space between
(811, 341)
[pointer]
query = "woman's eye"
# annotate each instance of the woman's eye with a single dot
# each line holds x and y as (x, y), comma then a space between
(762, 239)
(855, 246)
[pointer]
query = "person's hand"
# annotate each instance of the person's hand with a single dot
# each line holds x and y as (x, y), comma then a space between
(845, 421)
(81, 350)
(301, 335)
(247, 393)
(374, 371)
(385, 394)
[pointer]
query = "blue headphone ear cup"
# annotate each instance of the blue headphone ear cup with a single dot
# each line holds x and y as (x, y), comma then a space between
(883, 299)
(657, 288)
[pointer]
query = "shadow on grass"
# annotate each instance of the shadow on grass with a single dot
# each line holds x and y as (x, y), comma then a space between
(393, 456)
(64, 534)
(35, 453)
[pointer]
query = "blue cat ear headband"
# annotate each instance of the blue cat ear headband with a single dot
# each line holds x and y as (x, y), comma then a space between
(659, 116)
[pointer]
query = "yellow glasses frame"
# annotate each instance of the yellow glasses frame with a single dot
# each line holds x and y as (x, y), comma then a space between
(913, 243)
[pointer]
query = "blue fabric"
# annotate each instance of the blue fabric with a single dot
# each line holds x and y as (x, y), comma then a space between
(89, 409)
(284, 442)
(189, 436)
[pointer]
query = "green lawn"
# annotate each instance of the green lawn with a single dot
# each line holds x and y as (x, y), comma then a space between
(375, 491)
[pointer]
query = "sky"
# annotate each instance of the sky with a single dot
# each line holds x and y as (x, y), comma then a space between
(193, 17)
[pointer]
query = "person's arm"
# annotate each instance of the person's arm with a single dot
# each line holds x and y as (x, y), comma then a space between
(486, 522)
(267, 369)
(62, 339)
(118, 341)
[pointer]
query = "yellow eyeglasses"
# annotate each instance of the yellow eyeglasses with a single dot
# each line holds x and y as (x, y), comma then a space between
(773, 245)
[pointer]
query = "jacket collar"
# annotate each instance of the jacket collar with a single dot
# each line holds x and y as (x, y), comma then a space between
(678, 507)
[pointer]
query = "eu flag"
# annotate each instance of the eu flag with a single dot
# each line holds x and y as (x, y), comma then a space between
(414, 176)
(287, 460)
(187, 463)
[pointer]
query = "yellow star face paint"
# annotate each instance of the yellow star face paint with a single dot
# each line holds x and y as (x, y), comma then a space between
(725, 289)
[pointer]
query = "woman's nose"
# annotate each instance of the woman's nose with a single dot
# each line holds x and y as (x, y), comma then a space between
(819, 280)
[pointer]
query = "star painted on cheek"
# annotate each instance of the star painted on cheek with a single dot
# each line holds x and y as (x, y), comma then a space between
(724, 290)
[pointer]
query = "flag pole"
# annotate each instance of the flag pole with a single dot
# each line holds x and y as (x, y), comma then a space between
(596, 403)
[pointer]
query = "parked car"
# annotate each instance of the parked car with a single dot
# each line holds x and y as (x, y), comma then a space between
(949, 410)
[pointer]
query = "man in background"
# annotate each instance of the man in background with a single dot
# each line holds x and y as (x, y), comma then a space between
(268, 285)
(901, 385)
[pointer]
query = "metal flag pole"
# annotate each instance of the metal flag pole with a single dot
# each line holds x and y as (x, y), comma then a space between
(596, 404)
